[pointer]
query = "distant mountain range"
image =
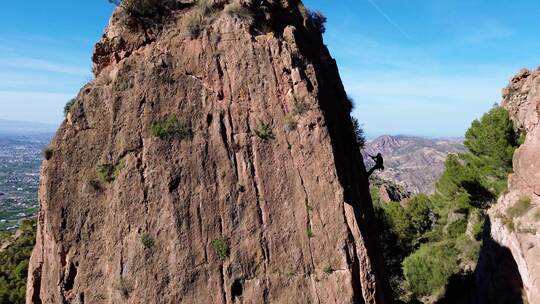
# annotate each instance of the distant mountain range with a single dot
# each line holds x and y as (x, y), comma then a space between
(25, 127)
(416, 163)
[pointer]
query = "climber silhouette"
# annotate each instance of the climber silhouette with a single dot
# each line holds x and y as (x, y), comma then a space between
(379, 163)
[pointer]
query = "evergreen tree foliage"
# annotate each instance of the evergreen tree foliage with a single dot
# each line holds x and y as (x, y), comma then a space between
(14, 262)
(428, 269)
(428, 241)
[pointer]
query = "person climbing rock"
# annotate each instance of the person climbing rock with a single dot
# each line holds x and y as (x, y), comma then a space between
(379, 163)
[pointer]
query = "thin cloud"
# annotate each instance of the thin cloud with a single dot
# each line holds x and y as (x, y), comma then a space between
(392, 22)
(42, 65)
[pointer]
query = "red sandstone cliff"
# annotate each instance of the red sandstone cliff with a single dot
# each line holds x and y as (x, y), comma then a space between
(291, 213)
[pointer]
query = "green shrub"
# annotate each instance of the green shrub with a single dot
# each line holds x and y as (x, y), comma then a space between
(221, 246)
(521, 137)
(118, 168)
(520, 208)
(170, 128)
(350, 103)
(104, 173)
(147, 240)
(14, 256)
(309, 232)
(428, 269)
(193, 24)
(478, 228)
(420, 213)
(468, 249)
(457, 228)
(68, 106)
(318, 20)
(107, 173)
(300, 106)
(328, 269)
(48, 153)
(509, 223)
(123, 286)
(204, 7)
(141, 8)
(263, 131)
(398, 221)
(358, 133)
(536, 215)
(236, 9)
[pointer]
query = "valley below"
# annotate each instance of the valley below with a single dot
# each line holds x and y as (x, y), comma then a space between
(20, 159)
(416, 163)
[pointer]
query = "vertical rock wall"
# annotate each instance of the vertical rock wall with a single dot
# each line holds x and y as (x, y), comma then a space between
(292, 213)
(516, 238)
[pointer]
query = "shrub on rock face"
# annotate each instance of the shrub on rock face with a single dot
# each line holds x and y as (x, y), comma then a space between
(123, 286)
(195, 21)
(107, 173)
(236, 9)
(300, 106)
(48, 153)
(68, 106)
(221, 247)
(358, 133)
(520, 208)
(170, 128)
(147, 240)
(193, 24)
(328, 269)
(140, 8)
(318, 20)
(264, 131)
(204, 7)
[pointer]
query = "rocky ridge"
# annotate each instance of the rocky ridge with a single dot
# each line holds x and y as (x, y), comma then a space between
(264, 197)
(514, 234)
(415, 163)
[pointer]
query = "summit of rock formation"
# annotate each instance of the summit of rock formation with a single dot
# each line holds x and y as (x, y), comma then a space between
(510, 260)
(211, 160)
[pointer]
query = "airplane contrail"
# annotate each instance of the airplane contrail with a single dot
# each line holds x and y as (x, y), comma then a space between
(376, 7)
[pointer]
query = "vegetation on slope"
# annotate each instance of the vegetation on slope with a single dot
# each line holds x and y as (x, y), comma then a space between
(15, 251)
(435, 240)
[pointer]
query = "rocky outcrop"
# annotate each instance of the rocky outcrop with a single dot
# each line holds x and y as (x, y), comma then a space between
(518, 232)
(389, 191)
(219, 167)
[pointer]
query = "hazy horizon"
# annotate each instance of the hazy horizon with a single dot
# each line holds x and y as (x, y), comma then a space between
(8, 126)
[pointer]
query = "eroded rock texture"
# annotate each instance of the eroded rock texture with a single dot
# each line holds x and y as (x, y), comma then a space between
(294, 209)
(517, 238)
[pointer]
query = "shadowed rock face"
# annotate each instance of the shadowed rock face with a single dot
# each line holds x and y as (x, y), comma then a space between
(292, 214)
(519, 236)
(497, 277)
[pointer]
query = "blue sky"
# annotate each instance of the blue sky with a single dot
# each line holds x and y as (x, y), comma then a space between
(421, 67)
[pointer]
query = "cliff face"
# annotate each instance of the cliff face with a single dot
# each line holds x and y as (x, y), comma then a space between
(511, 257)
(220, 215)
